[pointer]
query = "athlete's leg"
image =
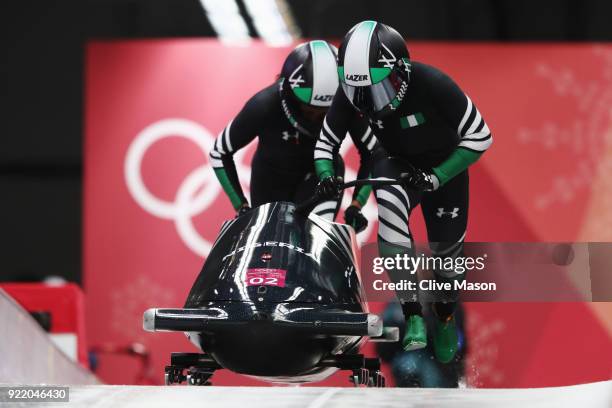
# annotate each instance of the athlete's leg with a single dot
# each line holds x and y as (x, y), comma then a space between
(446, 213)
(306, 189)
(394, 206)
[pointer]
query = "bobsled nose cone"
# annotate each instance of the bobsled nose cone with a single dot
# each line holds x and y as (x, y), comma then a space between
(148, 320)
(375, 325)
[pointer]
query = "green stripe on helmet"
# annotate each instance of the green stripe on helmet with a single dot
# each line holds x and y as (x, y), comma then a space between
(378, 74)
(303, 94)
(324, 83)
(368, 25)
(341, 73)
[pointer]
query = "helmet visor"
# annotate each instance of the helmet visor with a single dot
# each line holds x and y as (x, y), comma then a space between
(374, 98)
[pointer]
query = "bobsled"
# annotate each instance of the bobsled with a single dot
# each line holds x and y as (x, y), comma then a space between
(279, 298)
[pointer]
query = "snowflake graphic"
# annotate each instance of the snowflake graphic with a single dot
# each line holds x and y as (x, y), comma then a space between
(482, 366)
(129, 301)
(585, 136)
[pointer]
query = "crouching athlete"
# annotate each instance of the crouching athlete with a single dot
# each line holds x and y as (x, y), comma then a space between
(287, 116)
(429, 133)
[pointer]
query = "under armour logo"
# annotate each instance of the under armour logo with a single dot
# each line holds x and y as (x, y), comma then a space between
(293, 81)
(387, 61)
(379, 123)
(453, 214)
(295, 136)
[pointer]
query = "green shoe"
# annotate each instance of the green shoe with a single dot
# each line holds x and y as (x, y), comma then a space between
(416, 333)
(445, 340)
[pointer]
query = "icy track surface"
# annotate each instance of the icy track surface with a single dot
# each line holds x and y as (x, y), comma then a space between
(28, 355)
(596, 395)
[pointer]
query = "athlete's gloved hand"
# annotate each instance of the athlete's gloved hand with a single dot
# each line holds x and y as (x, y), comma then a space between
(418, 179)
(354, 218)
(245, 208)
(330, 187)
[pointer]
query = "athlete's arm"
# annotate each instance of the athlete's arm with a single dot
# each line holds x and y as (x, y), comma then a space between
(237, 134)
(462, 115)
(335, 126)
(365, 141)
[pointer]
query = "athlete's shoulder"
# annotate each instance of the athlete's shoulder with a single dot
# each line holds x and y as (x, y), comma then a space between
(430, 76)
(434, 85)
(265, 101)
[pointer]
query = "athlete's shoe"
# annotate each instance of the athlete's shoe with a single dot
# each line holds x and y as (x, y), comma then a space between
(416, 333)
(445, 340)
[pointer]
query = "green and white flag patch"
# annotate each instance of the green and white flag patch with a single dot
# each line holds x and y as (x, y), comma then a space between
(413, 120)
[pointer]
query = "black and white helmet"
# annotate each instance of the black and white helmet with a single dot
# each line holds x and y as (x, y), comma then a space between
(374, 68)
(310, 73)
(308, 77)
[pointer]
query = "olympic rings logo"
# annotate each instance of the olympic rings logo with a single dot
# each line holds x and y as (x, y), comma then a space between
(201, 180)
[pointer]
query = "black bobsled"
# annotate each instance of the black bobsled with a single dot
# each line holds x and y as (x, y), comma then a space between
(279, 297)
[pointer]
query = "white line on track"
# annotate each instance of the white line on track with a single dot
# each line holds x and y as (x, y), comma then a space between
(322, 399)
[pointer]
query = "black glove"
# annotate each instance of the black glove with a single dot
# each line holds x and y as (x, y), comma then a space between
(329, 188)
(354, 218)
(243, 210)
(418, 179)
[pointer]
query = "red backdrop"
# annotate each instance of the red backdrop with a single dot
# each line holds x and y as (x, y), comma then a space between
(152, 206)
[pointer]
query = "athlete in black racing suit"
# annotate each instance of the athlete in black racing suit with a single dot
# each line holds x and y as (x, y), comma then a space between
(286, 117)
(429, 133)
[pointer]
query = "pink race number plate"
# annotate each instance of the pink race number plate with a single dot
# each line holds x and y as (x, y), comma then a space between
(265, 276)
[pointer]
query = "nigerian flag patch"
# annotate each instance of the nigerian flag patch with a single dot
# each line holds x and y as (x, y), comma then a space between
(413, 120)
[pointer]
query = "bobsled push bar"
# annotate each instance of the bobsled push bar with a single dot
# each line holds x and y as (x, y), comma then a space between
(330, 323)
(374, 182)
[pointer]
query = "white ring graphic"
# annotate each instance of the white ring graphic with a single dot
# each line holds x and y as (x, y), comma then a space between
(186, 203)
(183, 223)
(133, 161)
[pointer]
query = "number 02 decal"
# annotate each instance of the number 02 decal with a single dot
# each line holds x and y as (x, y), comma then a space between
(265, 277)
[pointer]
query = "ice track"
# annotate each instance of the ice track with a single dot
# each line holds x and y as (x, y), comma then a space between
(28, 355)
(596, 395)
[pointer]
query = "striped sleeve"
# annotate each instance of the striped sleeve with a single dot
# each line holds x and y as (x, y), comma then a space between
(335, 126)
(366, 142)
(328, 143)
(327, 146)
(462, 116)
(238, 133)
(473, 131)
(221, 159)
(222, 147)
